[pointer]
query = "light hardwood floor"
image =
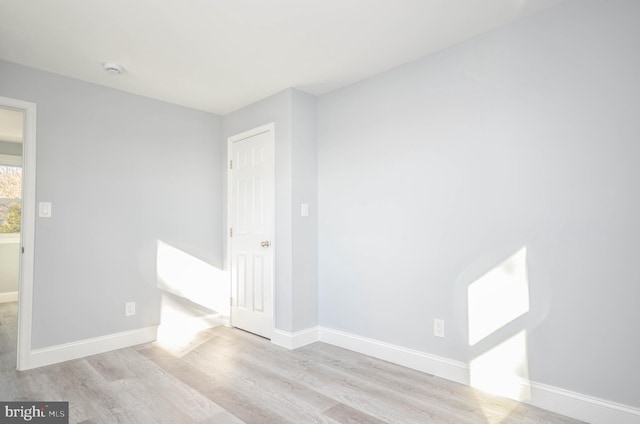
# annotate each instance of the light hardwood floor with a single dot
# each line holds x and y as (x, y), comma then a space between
(226, 375)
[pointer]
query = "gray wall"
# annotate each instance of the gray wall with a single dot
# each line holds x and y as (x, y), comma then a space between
(293, 114)
(123, 172)
(434, 172)
(304, 165)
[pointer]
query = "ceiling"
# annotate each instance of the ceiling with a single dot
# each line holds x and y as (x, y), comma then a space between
(220, 55)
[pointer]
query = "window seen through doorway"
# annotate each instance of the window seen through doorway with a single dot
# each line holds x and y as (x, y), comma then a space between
(10, 198)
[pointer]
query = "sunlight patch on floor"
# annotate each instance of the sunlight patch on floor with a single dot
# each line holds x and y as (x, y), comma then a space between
(183, 324)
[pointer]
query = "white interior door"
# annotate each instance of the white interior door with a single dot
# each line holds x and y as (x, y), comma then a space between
(251, 222)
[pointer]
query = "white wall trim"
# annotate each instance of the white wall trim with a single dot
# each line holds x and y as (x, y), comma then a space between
(581, 407)
(295, 340)
(572, 404)
(7, 297)
(250, 133)
(215, 320)
(87, 347)
(427, 363)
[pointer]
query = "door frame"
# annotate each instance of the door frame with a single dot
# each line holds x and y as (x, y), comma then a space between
(27, 230)
(270, 128)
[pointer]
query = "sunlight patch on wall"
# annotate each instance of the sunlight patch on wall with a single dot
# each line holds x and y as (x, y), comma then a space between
(196, 298)
(187, 276)
(504, 369)
(498, 297)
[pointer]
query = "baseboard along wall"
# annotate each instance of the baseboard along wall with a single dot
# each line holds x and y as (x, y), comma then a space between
(87, 347)
(571, 404)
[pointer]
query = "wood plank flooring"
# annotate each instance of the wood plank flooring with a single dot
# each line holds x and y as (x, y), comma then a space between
(229, 376)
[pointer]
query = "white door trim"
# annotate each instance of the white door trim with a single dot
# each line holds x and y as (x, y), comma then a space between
(25, 290)
(234, 138)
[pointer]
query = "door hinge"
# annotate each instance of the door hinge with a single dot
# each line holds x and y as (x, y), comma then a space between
(231, 301)
(22, 249)
(230, 164)
(230, 232)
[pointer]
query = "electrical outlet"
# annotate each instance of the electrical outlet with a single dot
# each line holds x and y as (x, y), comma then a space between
(438, 327)
(130, 309)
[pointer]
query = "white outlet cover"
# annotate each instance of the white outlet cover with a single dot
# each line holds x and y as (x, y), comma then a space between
(130, 309)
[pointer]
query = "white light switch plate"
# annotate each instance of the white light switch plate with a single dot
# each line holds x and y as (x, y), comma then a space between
(304, 209)
(44, 209)
(438, 327)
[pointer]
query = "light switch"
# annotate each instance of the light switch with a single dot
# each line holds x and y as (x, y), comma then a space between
(44, 209)
(304, 209)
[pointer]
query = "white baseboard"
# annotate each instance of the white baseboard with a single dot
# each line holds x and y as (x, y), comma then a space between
(427, 363)
(294, 340)
(9, 297)
(87, 347)
(571, 404)
(581, 407)
(214, 320)
(565, 402)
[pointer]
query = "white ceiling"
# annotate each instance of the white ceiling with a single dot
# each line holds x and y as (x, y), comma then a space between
(220, 55)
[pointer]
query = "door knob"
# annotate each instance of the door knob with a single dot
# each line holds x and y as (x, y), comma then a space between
(265, 243)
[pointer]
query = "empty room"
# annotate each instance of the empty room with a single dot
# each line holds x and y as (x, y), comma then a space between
(417, 211)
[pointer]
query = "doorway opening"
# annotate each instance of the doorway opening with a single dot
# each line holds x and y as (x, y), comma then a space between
(11, 138)
(17, 224)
